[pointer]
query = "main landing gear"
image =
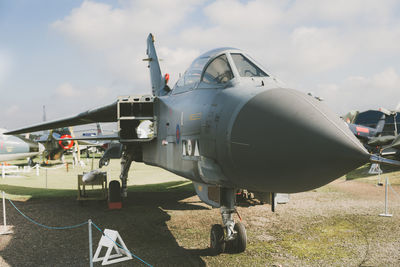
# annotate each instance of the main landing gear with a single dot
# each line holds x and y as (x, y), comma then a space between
(229, 236)
(126, 162)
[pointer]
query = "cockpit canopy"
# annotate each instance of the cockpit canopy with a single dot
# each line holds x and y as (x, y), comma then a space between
(219, 66)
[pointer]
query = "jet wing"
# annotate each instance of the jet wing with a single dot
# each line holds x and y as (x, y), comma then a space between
(91, 138)
(103, 114)
(103, 137)
(382, 160)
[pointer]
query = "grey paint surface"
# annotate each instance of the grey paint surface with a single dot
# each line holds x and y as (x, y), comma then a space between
(13, 147)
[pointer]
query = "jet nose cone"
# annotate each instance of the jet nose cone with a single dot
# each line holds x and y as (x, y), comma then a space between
(285, 141)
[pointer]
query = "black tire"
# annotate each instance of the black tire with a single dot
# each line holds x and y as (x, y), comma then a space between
(114, 191)
(217, 241)
(31, 163)
(104, 162)
(241, 237)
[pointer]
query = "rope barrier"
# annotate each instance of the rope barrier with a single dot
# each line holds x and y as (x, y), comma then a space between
(127, 251)
(394, 190)
(53, 168)
(76, 226)
(45, 226)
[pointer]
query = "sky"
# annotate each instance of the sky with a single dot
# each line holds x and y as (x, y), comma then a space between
(72, 55)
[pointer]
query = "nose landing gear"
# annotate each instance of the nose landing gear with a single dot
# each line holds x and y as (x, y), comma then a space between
(231, 235)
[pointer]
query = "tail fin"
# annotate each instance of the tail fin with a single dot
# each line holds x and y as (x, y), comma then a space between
(45, 132)
(380, 124)
(157, 81)
(99, 129)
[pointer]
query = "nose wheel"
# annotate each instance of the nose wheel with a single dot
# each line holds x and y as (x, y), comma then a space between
(219, 241)
(229, 235)
(241, 238)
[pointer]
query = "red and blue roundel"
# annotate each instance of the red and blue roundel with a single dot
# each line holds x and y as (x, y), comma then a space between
(178, 134)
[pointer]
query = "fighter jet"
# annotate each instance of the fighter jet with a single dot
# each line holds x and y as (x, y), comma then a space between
(366, 133)
(18, 147)
(228, 124)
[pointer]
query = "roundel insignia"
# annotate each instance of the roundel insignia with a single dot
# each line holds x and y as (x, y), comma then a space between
(68, 144)
(178, 134)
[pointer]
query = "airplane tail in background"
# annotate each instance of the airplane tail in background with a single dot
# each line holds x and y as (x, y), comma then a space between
(380, 124)
(99, 129)
(157, 80)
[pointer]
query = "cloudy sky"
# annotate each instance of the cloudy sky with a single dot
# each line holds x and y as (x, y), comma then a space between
(73, 55)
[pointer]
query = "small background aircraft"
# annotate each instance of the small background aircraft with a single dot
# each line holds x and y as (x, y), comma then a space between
(376, 129)
(18, 147)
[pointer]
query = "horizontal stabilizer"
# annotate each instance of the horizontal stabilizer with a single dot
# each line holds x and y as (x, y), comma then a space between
(103, 114)
(382, 160)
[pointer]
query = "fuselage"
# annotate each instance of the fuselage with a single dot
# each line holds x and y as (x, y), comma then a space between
(250, 132)
(13, 147)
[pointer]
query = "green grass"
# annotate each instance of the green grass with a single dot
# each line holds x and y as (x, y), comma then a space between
(321, 241)
(57, 182)
(361, 174)
(20, 192)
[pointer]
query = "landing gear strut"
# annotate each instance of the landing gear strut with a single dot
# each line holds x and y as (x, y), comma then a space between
(126, 161)
(230, 233)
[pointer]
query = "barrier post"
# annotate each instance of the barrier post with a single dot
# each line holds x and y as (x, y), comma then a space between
(37, 169)
(46, 178)
(386, 214)
(90, 243)
(4, 210)
(5, 230)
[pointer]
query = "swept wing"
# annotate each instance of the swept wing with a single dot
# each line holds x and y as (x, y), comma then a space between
(103, 114)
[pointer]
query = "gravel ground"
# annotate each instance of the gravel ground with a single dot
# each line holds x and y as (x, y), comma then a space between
(336, 225)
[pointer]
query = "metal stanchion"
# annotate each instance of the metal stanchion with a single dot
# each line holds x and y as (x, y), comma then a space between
(386, 214)
(4, 210)
(5, 230)
(90, 243)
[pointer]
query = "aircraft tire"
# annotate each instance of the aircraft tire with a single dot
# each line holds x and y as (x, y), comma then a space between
(217, 242)
(241, 237)
(104, 162)
(31, 163)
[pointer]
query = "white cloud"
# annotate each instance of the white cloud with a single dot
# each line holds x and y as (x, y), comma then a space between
(66, 90)
(12, 110)
(115, 37)
(362, 93)
(343, 11)
(5, 66)
(330, 47)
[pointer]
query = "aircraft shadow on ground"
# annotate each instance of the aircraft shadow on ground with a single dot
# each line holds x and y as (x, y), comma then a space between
(142, 224)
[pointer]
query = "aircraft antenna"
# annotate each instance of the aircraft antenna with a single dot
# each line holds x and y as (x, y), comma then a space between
(44, 113)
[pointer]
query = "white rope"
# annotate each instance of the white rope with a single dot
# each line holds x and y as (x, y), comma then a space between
(53, 168)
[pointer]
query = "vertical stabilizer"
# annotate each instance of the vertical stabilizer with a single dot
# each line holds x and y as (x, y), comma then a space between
(380, 124)
(45, 132)
(99, 129)
(157, 81)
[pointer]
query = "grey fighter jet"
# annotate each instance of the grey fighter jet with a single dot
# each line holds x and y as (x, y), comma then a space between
(17, 147)
(228, 124)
